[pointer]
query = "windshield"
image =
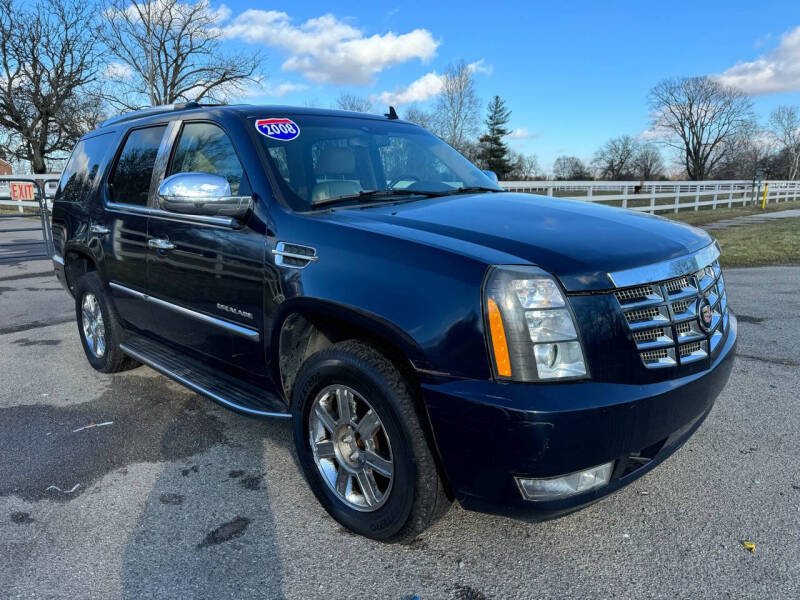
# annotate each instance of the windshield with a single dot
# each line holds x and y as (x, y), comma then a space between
(323, 160)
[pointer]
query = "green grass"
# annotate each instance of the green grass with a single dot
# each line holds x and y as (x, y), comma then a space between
(771, 243)
(707, 215)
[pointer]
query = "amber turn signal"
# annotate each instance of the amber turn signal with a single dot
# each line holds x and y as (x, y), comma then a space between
(499, 345)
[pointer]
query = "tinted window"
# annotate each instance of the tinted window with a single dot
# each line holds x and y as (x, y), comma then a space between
(130, 183)
(205, 148)
(83, 167)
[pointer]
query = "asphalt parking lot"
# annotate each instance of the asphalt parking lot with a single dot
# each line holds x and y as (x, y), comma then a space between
(170, 496)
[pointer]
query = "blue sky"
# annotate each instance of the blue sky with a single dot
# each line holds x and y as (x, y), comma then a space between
(573, 73)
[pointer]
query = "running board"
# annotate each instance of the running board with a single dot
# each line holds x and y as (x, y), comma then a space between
(205, 380)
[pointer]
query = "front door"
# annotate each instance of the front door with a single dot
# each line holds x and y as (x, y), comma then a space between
(207, 279)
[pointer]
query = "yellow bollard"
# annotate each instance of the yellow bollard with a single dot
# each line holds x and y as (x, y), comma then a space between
(764, 200)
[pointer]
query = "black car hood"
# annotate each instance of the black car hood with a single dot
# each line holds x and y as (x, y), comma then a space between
(579, 242)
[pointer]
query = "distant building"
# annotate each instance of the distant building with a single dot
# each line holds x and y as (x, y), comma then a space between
(5, 167)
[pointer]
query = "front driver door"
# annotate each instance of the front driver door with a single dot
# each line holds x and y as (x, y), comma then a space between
(206, 278)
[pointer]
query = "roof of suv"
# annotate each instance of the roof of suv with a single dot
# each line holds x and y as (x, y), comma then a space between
(246, 110)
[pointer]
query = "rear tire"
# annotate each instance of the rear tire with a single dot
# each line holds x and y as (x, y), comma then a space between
(99, 326)
(391, 497)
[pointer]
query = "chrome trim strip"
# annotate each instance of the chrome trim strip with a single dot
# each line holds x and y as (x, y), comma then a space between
(196, 387)
(662, 271)
(297, 256)
(245, 332)
(127, 290)
(165, 214)
(58, 259)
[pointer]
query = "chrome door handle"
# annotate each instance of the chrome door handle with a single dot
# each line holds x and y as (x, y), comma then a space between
(100, 229)
(157, 244)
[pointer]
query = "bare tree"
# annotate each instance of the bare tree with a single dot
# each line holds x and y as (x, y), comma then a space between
(784, 124)
(457, 109)
(420, 117)
(523, 166)
(647, 163)
(746, 153)
(570, 168)
(354, 103)
(169, 51)
(48, 57)
(696, 116)
(614, 160)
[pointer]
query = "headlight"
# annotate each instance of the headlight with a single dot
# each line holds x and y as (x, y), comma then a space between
(531, 329)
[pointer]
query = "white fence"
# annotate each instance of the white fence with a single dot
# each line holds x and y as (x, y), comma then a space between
(646, 196)
(662, 196)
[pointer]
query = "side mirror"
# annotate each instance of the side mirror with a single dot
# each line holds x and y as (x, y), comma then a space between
(201, 194)
(491, 175)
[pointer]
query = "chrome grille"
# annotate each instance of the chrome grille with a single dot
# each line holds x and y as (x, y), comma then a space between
(645, 314)
(663, 320)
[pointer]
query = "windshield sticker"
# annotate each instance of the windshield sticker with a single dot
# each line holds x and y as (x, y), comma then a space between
(278, 129)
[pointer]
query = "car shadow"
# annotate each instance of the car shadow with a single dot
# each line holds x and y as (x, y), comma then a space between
(206, 527)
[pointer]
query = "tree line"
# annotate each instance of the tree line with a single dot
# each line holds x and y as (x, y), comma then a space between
(455, 117)
(65, 65)
(68, 64)
(706, 129)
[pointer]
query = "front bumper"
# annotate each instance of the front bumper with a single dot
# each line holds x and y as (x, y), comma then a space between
(488, 432)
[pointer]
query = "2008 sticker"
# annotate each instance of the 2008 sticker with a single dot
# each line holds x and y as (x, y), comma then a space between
(278, 129)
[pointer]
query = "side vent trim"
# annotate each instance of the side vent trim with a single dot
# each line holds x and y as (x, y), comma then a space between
(294, 256)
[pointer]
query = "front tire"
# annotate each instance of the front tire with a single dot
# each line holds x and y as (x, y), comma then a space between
(361, 446)
(99, 326)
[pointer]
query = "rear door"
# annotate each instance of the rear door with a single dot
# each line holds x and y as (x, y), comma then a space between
(121, 228)
(208, 286)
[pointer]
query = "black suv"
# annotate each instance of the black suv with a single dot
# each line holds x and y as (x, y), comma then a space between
(430, 336)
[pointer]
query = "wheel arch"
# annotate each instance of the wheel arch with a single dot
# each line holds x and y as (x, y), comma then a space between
(77, 262)
(306, 326)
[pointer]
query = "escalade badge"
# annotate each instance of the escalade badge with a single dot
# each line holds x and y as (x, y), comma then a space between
(704, 314)
(235, 311)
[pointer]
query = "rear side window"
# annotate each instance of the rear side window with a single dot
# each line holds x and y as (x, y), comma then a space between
(83, 168)
(130, 182)
(206, 148)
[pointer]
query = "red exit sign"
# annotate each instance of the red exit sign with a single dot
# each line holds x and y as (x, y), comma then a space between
(22, 190)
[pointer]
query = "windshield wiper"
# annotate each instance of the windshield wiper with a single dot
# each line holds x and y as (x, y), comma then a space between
(370, 194)
(470, 189)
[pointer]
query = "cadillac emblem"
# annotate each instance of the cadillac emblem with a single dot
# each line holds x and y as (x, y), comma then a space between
(704, 314)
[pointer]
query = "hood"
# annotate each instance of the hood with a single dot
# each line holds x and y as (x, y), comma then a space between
(579, 242)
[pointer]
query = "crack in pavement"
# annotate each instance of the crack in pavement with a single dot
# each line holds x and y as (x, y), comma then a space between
(36, 325)
(785, 362)
(151, 423)
(28, 276)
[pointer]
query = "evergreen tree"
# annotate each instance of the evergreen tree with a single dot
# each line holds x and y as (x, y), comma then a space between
(493, 152)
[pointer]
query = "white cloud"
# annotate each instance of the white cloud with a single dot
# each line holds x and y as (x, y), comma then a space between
(420, 90)
(117, 70)
(327, 50)
(776, 71)
(424, 88)
(263, 88)
(520, 133)
(479, 67)
(281, 89)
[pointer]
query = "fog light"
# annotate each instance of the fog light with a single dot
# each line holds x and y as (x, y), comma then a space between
(566, 485)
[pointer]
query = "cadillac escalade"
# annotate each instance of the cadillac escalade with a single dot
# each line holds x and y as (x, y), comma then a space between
(431, 337)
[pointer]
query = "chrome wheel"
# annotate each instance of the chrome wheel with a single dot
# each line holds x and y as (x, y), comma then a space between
(351, 448)
(92, 323)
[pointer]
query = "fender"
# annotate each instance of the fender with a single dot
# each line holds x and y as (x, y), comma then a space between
(348, 314)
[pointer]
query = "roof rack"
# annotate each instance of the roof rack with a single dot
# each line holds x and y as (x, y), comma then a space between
(153, 110)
